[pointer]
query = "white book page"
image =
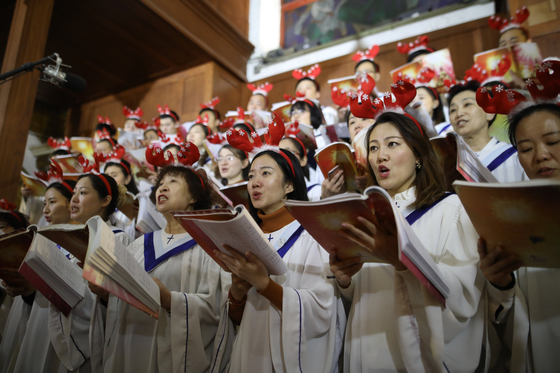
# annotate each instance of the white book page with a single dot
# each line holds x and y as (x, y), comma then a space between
(243, 234)
(67, 271)
(469, 162)
(124, 259)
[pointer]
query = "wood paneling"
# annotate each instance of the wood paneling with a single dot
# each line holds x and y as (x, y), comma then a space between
(26, 42)
(183, 92)
(235, 12)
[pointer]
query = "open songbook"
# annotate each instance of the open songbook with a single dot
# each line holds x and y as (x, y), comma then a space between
(212, 229)
(521, 217)
(44, 266)
(338, 156)
(468, 164)
(323, 221)
(111, 266)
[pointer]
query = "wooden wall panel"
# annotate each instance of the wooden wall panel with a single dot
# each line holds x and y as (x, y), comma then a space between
(235, 12)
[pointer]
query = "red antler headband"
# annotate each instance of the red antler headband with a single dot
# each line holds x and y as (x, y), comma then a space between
(9, 207)
(421, 43)
(312, 73)
(504, 25)
(105, 135)
(166, 111)
(145, 126)
(484, 76)
(211, 104)
(54, 175)
(263, 89)
(94, 170)
(175, 140)
(292, 131)
(506, 101)
(186, 157)
(361, 105)
(216, 138)
(115, 156)
(134, 115)
(370, 54)
(272, 137)
(63, 145)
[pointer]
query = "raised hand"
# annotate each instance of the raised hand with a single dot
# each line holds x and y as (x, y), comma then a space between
(343, 270)
(248, 268)
(382, 243)
(496, 265)
(164, 294)
(336, 185)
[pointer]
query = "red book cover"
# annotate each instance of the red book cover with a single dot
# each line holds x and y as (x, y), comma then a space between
(283, 110)
(44, 289)
(338, 154)
(348, 83)
(237, 194)
(38, 187)
(406, 72)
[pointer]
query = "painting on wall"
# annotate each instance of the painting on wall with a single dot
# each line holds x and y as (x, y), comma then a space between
(308, 23)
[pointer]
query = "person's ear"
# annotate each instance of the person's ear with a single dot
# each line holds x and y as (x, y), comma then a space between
(244, 163)
(303, 161)
(106, 201)
(128, 180)
(376, 76)
(288, 188)
(435, 104)
(489, 117)
(318, 94)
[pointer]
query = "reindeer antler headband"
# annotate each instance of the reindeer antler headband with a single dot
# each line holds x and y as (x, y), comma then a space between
(504, 24)
(54, 175)
(272, 137)
(312, 73)
(9, 207)
(116, 156)
(187, 155)
(166, 111)
(421, 43)
(263, 89)
(63, 145)
(134, 115)
(361, 105)
(369, 54)
(93, 169)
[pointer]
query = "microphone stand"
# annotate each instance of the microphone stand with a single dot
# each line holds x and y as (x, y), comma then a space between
(25, 68)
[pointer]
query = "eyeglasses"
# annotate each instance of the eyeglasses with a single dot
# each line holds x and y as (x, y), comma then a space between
(298, 112)
(226, 158)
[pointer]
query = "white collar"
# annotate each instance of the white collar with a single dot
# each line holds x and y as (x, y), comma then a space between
(404, 199)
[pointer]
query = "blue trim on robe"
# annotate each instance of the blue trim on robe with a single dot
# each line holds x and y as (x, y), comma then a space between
(501, 158)
(290, 242)
(311, 187)
(150, 260)
(417, 214)
(117, 230)
(444, 128)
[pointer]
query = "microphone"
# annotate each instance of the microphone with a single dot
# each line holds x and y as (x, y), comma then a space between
(54, 75)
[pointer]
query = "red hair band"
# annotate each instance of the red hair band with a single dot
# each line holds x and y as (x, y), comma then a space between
(94, 170)
(287, 158)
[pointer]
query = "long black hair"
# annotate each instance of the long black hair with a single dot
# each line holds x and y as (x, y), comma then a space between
(66, 193)
(302, 152)
(316, 114)
(101, 189)
(14, 219)
(297, 179)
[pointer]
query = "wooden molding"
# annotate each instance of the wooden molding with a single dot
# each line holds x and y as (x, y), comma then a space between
(201, 23)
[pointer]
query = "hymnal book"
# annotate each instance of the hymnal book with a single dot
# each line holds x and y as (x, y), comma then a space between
(212, 229)
(13, 248)
(446, 153)
(468, 163)
(527, 58)
(283, 109)
(347, 83)
(306, 134)
(439, 61)
(129, 140)
(73, 238)
(520, 217)
(112, 267)
(360, 150)
(237, 194)
(489, 60)
(84, 145)
(408, 71)
(37, 186)
(149, 218)
(323, 221)
(341, 155)
(261, 118)
(70, 165)
(59, 280)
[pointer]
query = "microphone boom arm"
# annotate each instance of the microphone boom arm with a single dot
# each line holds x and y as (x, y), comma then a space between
(27, 67)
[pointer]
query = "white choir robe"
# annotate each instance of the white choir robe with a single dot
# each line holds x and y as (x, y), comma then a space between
(50, 341)
(443, 128)
(306, 336)
(180, 340)
(396, 325)
(530, 311)
(502, 160)
(314, 184)
(14, 332)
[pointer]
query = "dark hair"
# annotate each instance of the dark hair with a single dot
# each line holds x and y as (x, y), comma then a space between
(375, 65)
(11, 220)
(316, 114)
(514, 120)
(317, 86)
(247, 127)
(471, 86)
(59, 152)
(199, 188)
(174, 119)
(169, 146)
(204, 128)
(437, 116)
(151, 129)
(102, 191)
(111, 142)
(429, 181)
(300, 189)
(101, 126)
(216, 112)
(420, 52)
(302, 153)
(239, 154)
(62, 189)
(131, 186)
